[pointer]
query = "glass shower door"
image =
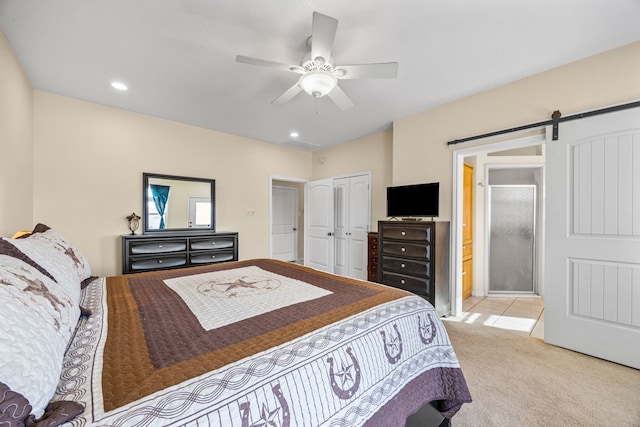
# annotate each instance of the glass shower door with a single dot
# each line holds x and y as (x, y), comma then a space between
(512, 238)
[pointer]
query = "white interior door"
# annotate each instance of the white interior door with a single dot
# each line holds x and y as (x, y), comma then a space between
(352, 217)
(359, 219)
(319, 220)
(592, 256)
(341, 226)
(199, 212)
(284, 229)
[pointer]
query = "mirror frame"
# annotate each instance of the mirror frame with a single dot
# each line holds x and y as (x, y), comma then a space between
(146, 176)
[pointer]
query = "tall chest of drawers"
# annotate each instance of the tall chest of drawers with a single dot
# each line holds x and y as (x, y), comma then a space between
(175, 250)
(414, 256)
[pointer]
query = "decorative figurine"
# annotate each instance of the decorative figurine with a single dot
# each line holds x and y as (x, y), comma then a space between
(134, 222)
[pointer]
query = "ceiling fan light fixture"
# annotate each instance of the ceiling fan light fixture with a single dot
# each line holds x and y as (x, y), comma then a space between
(317, 83)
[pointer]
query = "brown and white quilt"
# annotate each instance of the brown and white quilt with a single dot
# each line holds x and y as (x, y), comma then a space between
(256, 343)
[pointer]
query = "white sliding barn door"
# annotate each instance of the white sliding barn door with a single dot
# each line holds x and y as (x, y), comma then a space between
(318, 223)
(592, 255)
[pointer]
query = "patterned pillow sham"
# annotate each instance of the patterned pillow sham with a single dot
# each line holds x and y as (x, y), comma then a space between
(61, 260)
(37, 322)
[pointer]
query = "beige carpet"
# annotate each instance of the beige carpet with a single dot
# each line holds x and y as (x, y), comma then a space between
(516, 380)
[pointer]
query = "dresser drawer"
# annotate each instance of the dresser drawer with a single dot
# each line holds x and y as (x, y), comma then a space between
(402, 232)
(408, 283)
(212, 243)
(401, 249)
(155, 263)
(211, 257)
(406, 266)
(157, 247)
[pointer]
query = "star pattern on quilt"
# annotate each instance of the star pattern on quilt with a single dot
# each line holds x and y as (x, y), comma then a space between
(241, 286)
(267, 417)
(394, 345)
(239, 283)
(345, 374)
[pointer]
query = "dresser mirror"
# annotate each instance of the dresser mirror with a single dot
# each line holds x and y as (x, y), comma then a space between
(177, 203)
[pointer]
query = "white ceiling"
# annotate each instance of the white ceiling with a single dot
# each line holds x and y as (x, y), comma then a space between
(178, 57)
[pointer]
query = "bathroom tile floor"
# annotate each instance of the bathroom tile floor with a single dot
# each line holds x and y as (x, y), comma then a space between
(524, 314)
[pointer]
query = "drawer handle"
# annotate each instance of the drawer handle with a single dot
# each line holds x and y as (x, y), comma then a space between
(159, 261)
(404, 233)
(402, 249)
(213, 243)
(213, 257)
(160, 246)
(402, 281)
(402, 265)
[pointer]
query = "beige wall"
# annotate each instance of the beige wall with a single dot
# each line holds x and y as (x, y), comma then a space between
(89, 160)
(16, 144)
(420, 151)
(372, 153)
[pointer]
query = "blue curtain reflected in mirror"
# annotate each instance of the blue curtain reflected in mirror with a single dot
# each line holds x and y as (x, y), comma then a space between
(160, 194)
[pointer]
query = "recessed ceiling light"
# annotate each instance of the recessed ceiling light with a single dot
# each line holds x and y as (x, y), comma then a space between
(294, 134)
(119, 86)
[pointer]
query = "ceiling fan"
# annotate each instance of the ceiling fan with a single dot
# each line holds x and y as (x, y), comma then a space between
(318, 74)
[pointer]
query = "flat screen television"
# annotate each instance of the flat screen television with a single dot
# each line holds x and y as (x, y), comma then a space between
(418, 200)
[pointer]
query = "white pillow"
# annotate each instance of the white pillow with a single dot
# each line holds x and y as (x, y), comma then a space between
(38, 320)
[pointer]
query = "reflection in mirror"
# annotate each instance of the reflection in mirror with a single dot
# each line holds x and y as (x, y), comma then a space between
(178, 203)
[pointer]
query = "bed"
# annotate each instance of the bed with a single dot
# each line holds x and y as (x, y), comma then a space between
(247, 343)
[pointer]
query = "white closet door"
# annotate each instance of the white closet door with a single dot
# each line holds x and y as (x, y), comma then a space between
(342, 226)
(319, 219)
(592, 254)
(359, 218)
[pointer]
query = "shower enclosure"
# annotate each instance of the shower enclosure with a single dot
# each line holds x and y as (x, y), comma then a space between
(512, 231)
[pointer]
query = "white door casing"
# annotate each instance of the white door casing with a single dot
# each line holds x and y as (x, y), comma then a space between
(284, 235)
(319, 224)
(592, 256)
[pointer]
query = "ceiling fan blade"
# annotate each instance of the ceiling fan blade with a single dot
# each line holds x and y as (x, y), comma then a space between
(323, 31)
(386, 70)
(288, 94)
(340, 98)
(270, 64)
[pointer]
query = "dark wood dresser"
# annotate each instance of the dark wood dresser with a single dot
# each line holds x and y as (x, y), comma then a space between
(372, 256)
(414, 256)
(175, 250)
